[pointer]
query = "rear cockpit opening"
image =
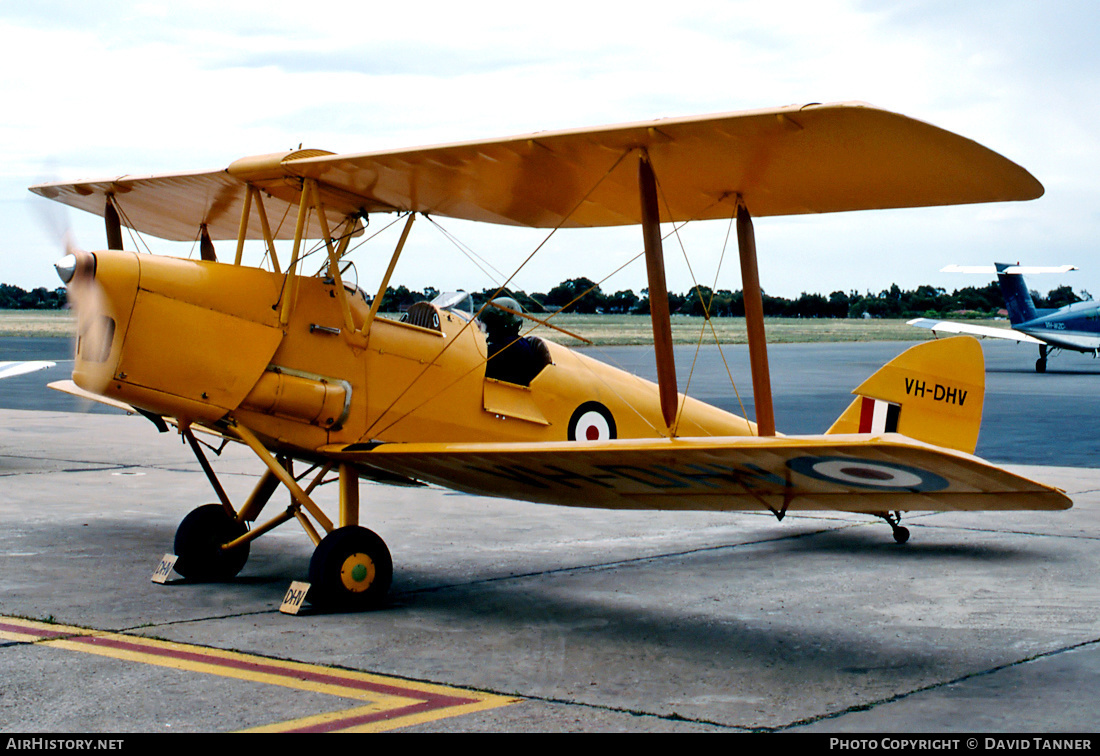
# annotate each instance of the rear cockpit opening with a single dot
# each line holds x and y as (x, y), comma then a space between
(513, 358)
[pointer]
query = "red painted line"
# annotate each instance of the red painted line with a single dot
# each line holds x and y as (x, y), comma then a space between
(422, 701)
(343, 723)
(434, 700)
(37, 632)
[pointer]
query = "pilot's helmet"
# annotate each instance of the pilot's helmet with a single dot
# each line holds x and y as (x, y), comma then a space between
(495, 317)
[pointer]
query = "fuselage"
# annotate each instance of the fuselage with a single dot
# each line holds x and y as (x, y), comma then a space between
(1075, 326)
(208, 343)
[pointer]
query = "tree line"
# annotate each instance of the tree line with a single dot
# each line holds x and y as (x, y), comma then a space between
(15, 298)
(581, 295)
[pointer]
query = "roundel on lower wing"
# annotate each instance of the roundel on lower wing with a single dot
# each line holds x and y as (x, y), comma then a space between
(591, 422)
(879, 476)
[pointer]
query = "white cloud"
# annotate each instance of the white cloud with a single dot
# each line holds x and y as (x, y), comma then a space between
(142, 87)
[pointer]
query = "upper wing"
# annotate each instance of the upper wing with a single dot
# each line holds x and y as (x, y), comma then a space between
(174, 206)
(9, 369)
(947, 326)
(859, 473)
(782, 161)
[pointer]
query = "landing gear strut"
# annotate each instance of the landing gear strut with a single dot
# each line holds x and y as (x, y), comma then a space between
(351, 568)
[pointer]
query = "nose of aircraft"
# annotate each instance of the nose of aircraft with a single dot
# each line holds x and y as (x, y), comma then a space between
(75, 264)
(66, 268)
(101, 288)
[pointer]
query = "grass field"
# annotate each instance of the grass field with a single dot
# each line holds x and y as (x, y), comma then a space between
(636, 329)
(606, 330)
(37, 323)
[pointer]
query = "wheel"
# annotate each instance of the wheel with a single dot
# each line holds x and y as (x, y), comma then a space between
(198, 545)
(901, 534)
(351, 569)
(1040, 365)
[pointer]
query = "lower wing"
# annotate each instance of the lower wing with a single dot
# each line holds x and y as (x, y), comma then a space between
(850, 472)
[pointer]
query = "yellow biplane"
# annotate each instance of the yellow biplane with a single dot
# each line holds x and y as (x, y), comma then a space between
(301, 368)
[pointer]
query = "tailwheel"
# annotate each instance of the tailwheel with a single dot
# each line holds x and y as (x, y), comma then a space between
(351, 569)
(199, 541)
(893, 519)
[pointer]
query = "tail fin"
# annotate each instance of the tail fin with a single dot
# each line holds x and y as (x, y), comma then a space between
(932, 392)
(1017, 298)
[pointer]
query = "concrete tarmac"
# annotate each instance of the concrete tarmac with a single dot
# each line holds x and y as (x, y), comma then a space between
(591, 620)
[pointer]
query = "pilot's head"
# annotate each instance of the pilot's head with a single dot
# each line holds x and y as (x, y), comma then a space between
(498, 321)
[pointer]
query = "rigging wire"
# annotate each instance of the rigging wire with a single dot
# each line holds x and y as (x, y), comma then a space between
(476, 315)
(706, 311)
(469, 252)
(135, 237)
(460, 245)
(658, 431)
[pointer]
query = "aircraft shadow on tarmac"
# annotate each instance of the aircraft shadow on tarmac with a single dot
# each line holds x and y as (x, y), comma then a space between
(272, 569)
(634, 621)
(1051, 371)
(867, 543)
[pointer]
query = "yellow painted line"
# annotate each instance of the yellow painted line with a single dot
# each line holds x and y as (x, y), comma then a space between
(391, 703)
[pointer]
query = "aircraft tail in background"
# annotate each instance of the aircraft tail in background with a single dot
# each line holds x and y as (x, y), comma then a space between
(1018, 300)
(1071, 327)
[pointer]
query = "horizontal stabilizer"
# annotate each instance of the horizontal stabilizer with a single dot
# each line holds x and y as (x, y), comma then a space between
(1011, 269)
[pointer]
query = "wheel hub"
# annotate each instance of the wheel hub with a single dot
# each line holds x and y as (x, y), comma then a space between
(357, 572)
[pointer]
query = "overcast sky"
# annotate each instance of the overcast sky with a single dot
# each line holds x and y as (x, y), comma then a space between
(96, 90)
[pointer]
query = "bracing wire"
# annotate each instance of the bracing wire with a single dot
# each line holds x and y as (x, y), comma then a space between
(706, 313)
(466, 325)
(468, 252)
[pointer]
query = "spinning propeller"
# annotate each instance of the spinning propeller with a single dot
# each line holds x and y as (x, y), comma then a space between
(95, 324)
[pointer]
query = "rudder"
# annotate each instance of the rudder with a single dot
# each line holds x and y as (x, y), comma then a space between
(1018, 300)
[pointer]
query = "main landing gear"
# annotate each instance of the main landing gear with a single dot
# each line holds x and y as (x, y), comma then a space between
(351, 568)
(200, 538)
(1041, 363)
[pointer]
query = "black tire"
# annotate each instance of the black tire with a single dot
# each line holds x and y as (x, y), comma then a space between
(199, 539)
(901, 534)
(351, 569)
(1040, 365)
